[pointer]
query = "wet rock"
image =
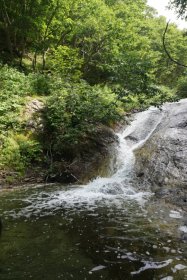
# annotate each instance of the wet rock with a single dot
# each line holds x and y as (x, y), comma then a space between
(162, 161)
(184, 237)
(113, 189)
(88, 160)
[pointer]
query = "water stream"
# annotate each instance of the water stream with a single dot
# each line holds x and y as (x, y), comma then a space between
(108, 229)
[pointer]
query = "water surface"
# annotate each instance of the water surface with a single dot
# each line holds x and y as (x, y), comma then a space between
(108, 229)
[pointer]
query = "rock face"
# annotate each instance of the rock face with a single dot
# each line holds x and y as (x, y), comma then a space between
(33, 115)
(87, 160)
(162, 161)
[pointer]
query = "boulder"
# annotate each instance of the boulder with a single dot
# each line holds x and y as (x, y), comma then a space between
(87, 160)
(32, 115)
(162, 161)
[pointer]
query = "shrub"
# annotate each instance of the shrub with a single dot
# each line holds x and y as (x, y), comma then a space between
(13, 82)
(40, 84)
(76, 111)
(157, 96)
(18, 151)
(14, 86)
(182, 88)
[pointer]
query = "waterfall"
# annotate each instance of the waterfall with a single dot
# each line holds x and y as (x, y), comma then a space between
(117, 188)
(130, 139)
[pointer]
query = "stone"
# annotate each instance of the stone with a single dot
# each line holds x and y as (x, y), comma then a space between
(162, 161)
(87, 160)
(33, 115)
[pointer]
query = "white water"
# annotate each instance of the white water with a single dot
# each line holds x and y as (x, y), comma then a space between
(119, 184)
(113, 190)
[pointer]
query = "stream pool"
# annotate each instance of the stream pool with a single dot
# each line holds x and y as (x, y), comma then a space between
(46, 237)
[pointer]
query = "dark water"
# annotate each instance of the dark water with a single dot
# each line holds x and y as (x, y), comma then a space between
(100, 240)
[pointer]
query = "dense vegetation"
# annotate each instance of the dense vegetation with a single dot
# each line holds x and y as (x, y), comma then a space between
(88, 62)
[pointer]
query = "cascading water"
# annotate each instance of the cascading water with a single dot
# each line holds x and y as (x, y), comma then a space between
(114, 189)
(108, 229)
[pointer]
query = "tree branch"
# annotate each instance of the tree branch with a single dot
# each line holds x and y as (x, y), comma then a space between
(165, 49)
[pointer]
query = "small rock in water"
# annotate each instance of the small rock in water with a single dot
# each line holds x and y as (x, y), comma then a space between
(179, 267)
(167, 249)
(184, 236)
(175, 215)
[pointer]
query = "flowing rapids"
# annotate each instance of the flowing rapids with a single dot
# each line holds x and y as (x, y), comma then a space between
(110, 228)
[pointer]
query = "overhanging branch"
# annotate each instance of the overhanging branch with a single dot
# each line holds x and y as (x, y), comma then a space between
(166, 51)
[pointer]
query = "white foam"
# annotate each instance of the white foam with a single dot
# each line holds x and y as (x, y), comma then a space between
(183, 229)
(97, 268)
(175, 214)
(152, 265)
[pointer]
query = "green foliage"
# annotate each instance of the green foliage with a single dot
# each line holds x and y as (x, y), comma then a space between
(66, 62)
(167, 72)
(157, 96)
(93, 60)
(77, 109)
(182, 88)
(18, 151)
(40, 84)
(96, 40)
(10, 155)
(13, 88)
(13, 82)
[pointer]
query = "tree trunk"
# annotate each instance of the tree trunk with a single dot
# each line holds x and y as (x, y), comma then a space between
(34, 61)
(7, 23)
(43, 60)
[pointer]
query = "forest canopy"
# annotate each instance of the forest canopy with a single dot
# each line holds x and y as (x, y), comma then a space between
(115, 42)
(88, 62)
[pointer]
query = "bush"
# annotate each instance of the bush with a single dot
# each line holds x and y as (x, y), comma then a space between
(76, 111)
(13, 89)
(157, 96)
(13, 82)
(40, 84)
(182, 88)
(18, 151)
